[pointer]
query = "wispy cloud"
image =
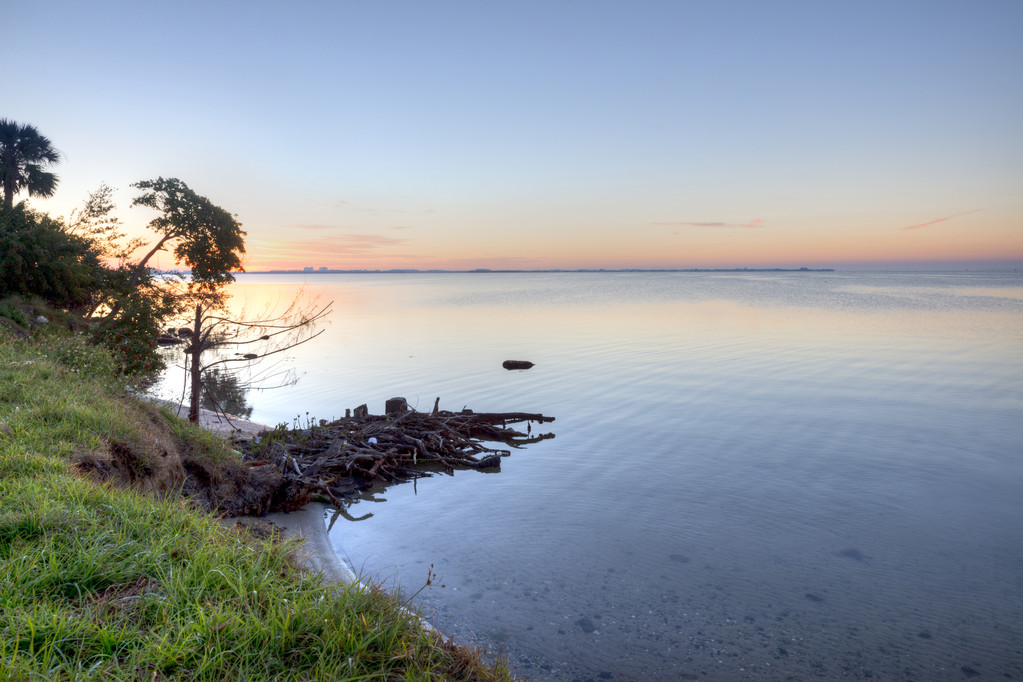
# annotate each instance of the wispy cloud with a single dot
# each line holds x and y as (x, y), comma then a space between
(939, 220)
(339, 246)
(355, 244)
(758, 222)
(349, 206)
(316, 227)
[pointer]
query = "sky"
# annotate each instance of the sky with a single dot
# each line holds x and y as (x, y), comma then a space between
(379, 134)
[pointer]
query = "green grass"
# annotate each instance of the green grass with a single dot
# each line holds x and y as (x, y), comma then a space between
(104, 582)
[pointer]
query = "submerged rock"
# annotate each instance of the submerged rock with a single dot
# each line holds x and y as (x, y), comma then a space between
(854, 554)
(586, 625)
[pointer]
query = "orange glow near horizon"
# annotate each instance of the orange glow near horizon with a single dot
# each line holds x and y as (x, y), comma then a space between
(967, 237)
(649, 247)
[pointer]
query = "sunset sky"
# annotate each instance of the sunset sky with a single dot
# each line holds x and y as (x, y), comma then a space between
(545, 133)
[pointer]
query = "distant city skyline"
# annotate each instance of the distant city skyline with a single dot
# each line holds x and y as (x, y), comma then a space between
(546, 135)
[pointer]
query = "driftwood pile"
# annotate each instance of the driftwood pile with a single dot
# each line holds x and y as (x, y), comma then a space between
(336, 460)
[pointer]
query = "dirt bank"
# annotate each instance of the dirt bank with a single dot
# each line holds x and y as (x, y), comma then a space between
(306, 523)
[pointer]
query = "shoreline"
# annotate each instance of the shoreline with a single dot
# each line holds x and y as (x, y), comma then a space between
(306, 523)
(214, 422)
(114, 574)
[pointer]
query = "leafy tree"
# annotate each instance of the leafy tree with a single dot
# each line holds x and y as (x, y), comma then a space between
(202, 236)
(205, 238)
(24, 156)
(96, 223)
(130, 333)
(39, 257)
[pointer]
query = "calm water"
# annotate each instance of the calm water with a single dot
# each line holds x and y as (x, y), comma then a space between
(761, 476)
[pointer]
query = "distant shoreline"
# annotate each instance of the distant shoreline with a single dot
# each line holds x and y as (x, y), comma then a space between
(552, 270)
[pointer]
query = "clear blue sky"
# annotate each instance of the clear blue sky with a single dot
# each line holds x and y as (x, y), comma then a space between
(545, 134)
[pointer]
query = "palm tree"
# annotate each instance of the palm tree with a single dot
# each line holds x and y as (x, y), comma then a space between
(24, 156)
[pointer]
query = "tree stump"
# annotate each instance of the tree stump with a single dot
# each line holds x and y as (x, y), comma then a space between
(395, 407)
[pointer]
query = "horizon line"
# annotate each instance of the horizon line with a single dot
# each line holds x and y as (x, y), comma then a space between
(945, 266)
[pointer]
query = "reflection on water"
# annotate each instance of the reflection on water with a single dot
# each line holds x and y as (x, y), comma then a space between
(223, 392)
(764, 476)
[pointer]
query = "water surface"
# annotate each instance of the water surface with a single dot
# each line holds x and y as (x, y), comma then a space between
(754, 476)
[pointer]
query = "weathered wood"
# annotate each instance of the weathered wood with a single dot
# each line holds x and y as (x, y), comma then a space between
(336, 460)
(395, 407)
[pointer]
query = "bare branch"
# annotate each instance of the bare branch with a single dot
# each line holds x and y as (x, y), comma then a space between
(263, 355)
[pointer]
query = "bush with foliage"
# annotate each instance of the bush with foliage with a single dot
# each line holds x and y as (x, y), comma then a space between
(131, 337)
(38, 256)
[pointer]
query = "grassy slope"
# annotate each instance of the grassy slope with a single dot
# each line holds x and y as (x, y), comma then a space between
(97, 581)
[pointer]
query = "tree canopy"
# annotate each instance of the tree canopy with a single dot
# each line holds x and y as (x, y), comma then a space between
(206, 237)
(86, 264)
(25, 155)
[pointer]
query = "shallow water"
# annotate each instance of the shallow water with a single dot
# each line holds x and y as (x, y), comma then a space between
(754, 476)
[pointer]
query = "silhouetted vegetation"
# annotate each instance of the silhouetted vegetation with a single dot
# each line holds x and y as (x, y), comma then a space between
(131, 584)
(38, 256)
(25, 154)
(87, 266)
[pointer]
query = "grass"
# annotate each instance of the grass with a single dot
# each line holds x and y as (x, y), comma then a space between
(99, 581)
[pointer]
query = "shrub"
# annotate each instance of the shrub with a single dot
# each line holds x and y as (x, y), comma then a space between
(37, 256)
(78, 354)
(131, 338)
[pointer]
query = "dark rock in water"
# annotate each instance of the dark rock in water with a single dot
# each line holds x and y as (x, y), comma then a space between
(969, 672)
(586, 625)
(516, 364)
(854, 554)
(681, 558)
(814, 597)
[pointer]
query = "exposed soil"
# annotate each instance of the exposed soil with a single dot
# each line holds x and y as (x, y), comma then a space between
(159, 462)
